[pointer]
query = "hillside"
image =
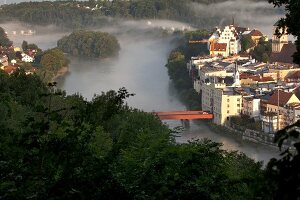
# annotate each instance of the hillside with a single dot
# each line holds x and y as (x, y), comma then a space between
(73, 14)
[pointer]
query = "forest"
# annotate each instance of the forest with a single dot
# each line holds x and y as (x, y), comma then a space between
(58, 146)
(76, 14)
(90, 44)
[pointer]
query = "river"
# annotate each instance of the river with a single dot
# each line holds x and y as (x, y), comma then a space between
(140, 68)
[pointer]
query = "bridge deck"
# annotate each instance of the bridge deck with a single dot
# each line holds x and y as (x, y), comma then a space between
(189, 115)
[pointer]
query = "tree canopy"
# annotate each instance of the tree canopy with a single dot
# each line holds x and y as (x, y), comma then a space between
(4, 41)
(90, 44)
(80, 14)
(56, 146)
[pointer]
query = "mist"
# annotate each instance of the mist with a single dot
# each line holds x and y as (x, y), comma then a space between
(259, 15)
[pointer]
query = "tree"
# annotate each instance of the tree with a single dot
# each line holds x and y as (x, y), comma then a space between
(24, 45)
(284, 172)
(247, 42)
(4, 41)
(291, 22)
(90, 44)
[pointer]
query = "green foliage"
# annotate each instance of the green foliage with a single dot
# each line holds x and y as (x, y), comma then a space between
(247, 42)
(50, 62)
(262, 51)
(80, 14)
(194, 49)
(24, 45)
(90, 44)
(283, 173)
(4, 41)
(65, 14)
(55, 146)
(244, 122)
(177, 69)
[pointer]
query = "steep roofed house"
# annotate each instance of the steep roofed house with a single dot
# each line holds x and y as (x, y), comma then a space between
(230, 36)
(285, 55)
(293, 78)
(278, 42)
(27, 58)
(275, 117)
(9, 69)
(4, 60)
(256, 35)
(219, 49)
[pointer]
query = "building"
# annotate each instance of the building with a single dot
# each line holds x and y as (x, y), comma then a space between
(256, 35)
(27, 58)
(275, 117)
(4, 60)
(219, 49)
(278, 42)
(220, 97)
(285, 55)
(226, 104)
(227, 41)
(251, 107)
(282, 71)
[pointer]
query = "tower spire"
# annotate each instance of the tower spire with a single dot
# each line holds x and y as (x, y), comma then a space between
(232, 21)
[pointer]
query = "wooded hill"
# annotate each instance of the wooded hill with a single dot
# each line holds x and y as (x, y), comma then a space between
(90, 44)
(73, 14)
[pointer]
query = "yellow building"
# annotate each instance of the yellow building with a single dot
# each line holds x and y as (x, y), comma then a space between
(282, 73)
(256, 35)
(227, 103)
(17, 49)
(224, 102)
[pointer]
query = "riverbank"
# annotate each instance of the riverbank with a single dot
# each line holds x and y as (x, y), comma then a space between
(183, 82)
(60, 73)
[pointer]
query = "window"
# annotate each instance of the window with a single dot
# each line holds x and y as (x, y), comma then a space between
(227, 105)
(227, 100)
(227, 111)
(238, 105)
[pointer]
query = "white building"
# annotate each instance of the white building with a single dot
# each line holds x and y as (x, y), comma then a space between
(4, 60)
(226, 42)
(27, 58)
(278, 42)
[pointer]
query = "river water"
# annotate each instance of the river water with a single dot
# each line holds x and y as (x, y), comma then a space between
(140, 69)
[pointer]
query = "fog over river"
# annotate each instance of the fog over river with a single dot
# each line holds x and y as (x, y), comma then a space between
(140, 68)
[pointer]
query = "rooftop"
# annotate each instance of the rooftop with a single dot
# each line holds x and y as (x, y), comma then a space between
(285, 55)
(282, 99)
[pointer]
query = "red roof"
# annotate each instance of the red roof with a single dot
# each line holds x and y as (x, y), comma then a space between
(295, 75)
(262, 79)
(10, 69)
(245, 75)
(256, 33)
(220, 46)
(284, 97)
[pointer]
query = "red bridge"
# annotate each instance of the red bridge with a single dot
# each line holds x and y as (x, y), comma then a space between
(184, 115)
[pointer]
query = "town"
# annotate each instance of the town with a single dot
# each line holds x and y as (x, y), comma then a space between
(48, 65)
(257, 98)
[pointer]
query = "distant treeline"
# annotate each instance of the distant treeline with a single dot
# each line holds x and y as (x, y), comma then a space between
(73, 14)
(90, 44)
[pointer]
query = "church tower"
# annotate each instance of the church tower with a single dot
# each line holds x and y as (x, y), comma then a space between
(277, 43)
